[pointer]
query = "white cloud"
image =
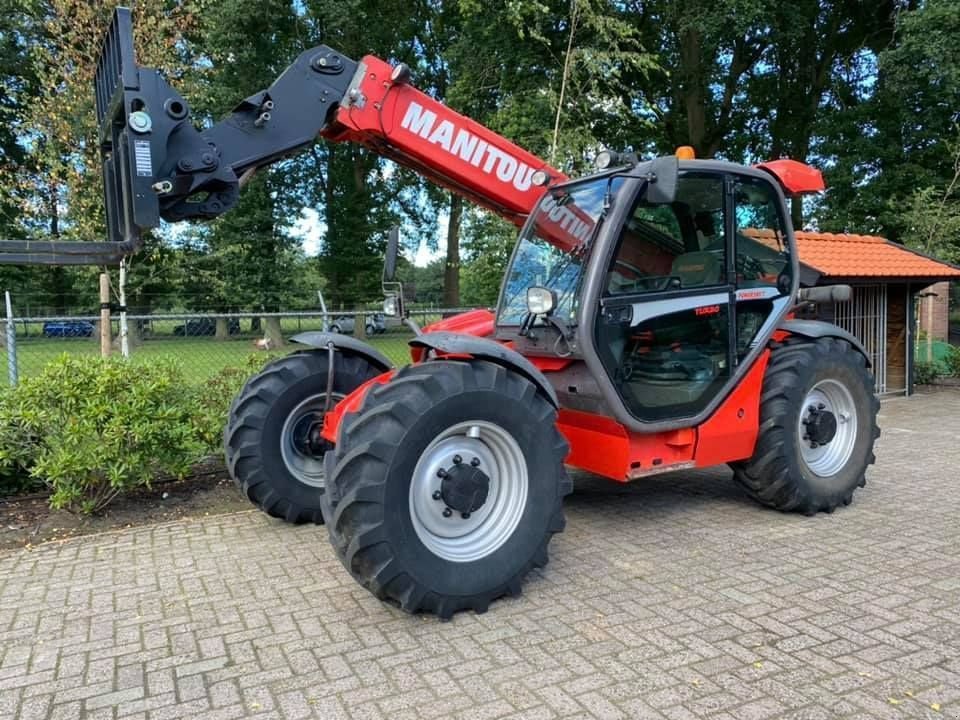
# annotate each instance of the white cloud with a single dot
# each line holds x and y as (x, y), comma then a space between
(310, 229)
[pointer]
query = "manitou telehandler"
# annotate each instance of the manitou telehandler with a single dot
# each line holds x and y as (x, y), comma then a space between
(644, 326)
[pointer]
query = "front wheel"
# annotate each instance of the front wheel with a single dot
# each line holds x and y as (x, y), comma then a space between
(448, 485)
(818, 423)
(272, 442)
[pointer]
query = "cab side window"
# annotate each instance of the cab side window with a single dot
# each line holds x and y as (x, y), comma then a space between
(762, 259)
(673, 247)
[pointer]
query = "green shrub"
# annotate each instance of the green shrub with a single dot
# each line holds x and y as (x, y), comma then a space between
(925, 372)
(16, 480)
(92, 428)
(213, 399)
(952, 361)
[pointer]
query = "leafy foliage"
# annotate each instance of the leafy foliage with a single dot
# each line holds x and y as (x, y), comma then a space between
(925, 373)
(91, 429)
(868, 91)
(212, 399)
(952, 361)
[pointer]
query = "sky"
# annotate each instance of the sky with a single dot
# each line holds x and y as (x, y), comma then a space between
(310, 229)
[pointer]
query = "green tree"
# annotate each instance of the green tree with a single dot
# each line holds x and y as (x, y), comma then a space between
(894, 154)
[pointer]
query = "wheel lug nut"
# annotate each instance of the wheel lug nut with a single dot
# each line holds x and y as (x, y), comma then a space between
(475, 462)
(821, 406)
(441, 473)
(447, 512)
(457, 459)
(465, 516)
(436, 495)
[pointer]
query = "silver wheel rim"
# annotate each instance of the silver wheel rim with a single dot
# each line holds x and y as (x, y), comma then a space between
(484, 531)
(304, 466)
(829, 459)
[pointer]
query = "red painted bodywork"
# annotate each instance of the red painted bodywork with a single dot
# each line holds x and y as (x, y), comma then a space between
(351, 403)
(605, 447)
(402, 123)
(797, 178)
(479, 323)
(410, 127)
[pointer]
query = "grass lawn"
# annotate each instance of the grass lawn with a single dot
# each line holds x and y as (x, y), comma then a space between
(201, 357)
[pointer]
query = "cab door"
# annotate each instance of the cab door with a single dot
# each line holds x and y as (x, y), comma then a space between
(665, 328)
(690, 291)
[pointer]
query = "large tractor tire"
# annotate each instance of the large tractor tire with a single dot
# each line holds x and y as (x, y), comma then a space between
(818, 423)
(448, 485)
(273, 449)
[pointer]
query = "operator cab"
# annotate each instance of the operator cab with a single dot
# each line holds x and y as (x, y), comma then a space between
(666, 297)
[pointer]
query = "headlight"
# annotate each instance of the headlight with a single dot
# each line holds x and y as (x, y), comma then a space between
(540, 178)
(605, 159)
(541, 301)
(390, 306)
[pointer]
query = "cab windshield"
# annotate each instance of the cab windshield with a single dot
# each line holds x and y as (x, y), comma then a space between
(554, 247)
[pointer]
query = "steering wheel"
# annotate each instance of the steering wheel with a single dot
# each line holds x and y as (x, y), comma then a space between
(646, 283)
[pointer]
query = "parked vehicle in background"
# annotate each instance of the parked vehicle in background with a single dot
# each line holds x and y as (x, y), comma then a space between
(68, 328)
(375, 324)
(205, 326)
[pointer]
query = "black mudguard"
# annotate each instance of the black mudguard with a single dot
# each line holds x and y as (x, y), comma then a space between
(814, 329)
(346, 343)
(484, 349)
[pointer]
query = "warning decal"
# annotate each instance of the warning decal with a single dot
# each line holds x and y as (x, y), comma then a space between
(143, 158)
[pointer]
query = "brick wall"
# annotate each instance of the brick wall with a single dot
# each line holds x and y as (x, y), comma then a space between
(936, 319)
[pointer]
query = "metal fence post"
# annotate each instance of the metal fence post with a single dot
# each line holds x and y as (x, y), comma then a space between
(11, 344)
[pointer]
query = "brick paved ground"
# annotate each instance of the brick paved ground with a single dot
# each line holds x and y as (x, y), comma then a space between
(675, 598)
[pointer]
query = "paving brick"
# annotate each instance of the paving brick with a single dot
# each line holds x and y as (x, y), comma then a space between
(672, 598)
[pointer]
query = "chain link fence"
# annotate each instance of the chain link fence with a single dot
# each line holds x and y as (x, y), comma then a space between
(204, 344)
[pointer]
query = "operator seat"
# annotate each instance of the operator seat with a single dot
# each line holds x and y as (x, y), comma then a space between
(698, 269)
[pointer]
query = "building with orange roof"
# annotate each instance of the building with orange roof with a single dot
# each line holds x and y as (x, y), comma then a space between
(889, 284)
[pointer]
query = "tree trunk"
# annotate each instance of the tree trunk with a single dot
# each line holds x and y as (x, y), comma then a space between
(691, 79)
(451, 271)
(222, 329)
(272, 332)
(359, 326)
(796, 213)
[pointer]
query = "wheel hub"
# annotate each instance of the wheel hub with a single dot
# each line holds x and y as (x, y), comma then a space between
(827, 428)
(308, 438)
(821, 425)
(464, 488)
(468, 491)
(302, 445)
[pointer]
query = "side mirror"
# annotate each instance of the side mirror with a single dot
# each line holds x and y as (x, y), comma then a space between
(390, 260)
(662, 188)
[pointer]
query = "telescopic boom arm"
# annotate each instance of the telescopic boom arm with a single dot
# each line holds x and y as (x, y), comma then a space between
(157, 164)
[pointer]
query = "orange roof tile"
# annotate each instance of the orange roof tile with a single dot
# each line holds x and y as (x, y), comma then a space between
(842, 255)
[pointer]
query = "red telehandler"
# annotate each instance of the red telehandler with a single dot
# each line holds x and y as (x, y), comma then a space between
(644, 326)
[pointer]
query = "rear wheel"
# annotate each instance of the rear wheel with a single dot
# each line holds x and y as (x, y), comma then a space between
(272, 443)
(448, 485)
(818, 423)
